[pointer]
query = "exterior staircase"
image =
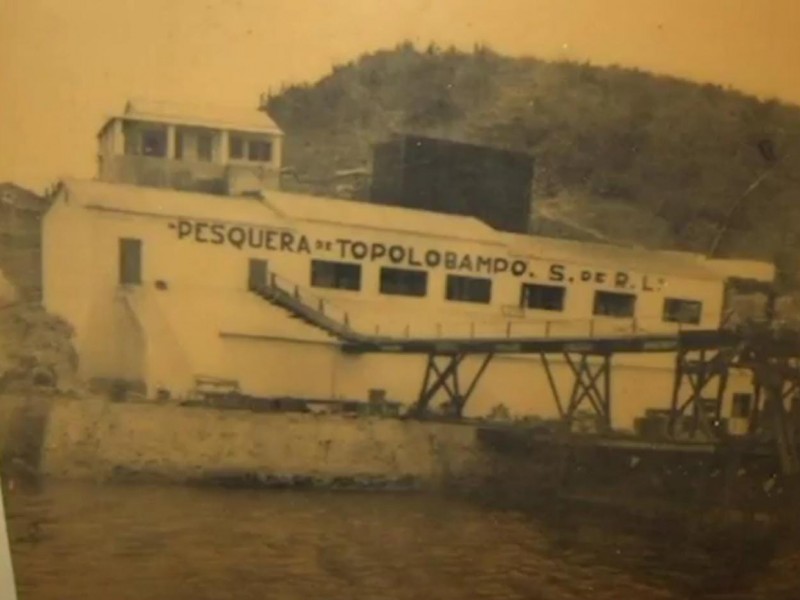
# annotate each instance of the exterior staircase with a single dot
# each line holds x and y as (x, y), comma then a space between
(309, 309)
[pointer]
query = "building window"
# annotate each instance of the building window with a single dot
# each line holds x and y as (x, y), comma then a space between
(130, 261)
(403, 282)
(259, 151)
(257, 274)
(742, 406)
(469, 289)
(236, 147)
(244, 147)
(614, 304)
(542, 297)
(179, 144)
(342, 276)
(204, 150)
(154, 142)
(682, 311)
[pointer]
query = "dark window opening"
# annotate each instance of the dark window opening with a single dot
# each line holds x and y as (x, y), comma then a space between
(614, 304)
(469, 289)
(154, 142)
(342, 276)
(682, 311)
(403, 282)
(204, 150)
(542, 297)
(130, 261)
(257, 274)
(742, 406)
(178, 144)
(236, 147)
(259, 151)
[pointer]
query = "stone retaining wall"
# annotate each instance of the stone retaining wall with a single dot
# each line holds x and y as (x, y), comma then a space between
(100, 440)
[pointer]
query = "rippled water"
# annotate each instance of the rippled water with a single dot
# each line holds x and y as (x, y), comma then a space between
(123, 542)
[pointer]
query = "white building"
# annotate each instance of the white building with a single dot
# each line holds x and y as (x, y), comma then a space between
(157, 284)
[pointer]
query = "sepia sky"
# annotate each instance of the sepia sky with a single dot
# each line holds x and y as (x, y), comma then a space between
(64, 65)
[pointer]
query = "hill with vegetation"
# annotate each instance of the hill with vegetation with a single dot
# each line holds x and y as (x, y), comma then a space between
(620, 153)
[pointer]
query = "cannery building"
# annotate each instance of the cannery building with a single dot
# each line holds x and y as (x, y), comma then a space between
(164, 284)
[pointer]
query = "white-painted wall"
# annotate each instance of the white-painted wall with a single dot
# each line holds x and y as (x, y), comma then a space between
(206, 323)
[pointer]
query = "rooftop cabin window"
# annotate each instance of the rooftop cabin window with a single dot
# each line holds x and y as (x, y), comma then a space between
(236, 148)
(469, 289)
(614, 304)
(259, 151)
(403, 282)
(335, 275)
(148, 140)
(243, 147)
(154, 142)
(542, 297)
(179, 144)
(194, 144)
(682, 311)
(204, 147)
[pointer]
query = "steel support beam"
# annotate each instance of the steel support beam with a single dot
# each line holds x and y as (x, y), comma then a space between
(777, 381)
(591, 386)
(443, 379)
(706, 375)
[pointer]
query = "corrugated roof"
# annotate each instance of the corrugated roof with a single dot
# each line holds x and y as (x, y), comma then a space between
(744, 269)
(381, 217)
(277, 208)
(201, 115)
(169, 203)
(610, 256)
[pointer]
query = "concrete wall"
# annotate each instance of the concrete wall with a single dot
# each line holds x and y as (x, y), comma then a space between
(94, 439)
(100, 440)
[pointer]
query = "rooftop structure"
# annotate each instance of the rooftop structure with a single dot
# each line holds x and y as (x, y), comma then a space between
(198, 148)
(491, 184)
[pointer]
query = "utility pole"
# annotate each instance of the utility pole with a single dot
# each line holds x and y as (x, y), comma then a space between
(723, 228)
(766, 148)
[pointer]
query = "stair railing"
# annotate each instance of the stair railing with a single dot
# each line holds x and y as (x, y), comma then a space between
(307, 300)
(333, 318)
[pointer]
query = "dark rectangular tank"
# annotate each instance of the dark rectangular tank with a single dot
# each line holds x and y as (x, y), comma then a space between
(490, 184)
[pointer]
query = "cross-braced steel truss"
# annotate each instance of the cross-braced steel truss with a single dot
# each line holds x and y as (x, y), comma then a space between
(591, 386)
(705, 374)
(443, 379)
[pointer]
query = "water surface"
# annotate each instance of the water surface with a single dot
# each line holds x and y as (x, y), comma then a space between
(93, 542)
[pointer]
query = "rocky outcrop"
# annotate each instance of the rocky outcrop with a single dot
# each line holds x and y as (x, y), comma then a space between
(35, 350)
